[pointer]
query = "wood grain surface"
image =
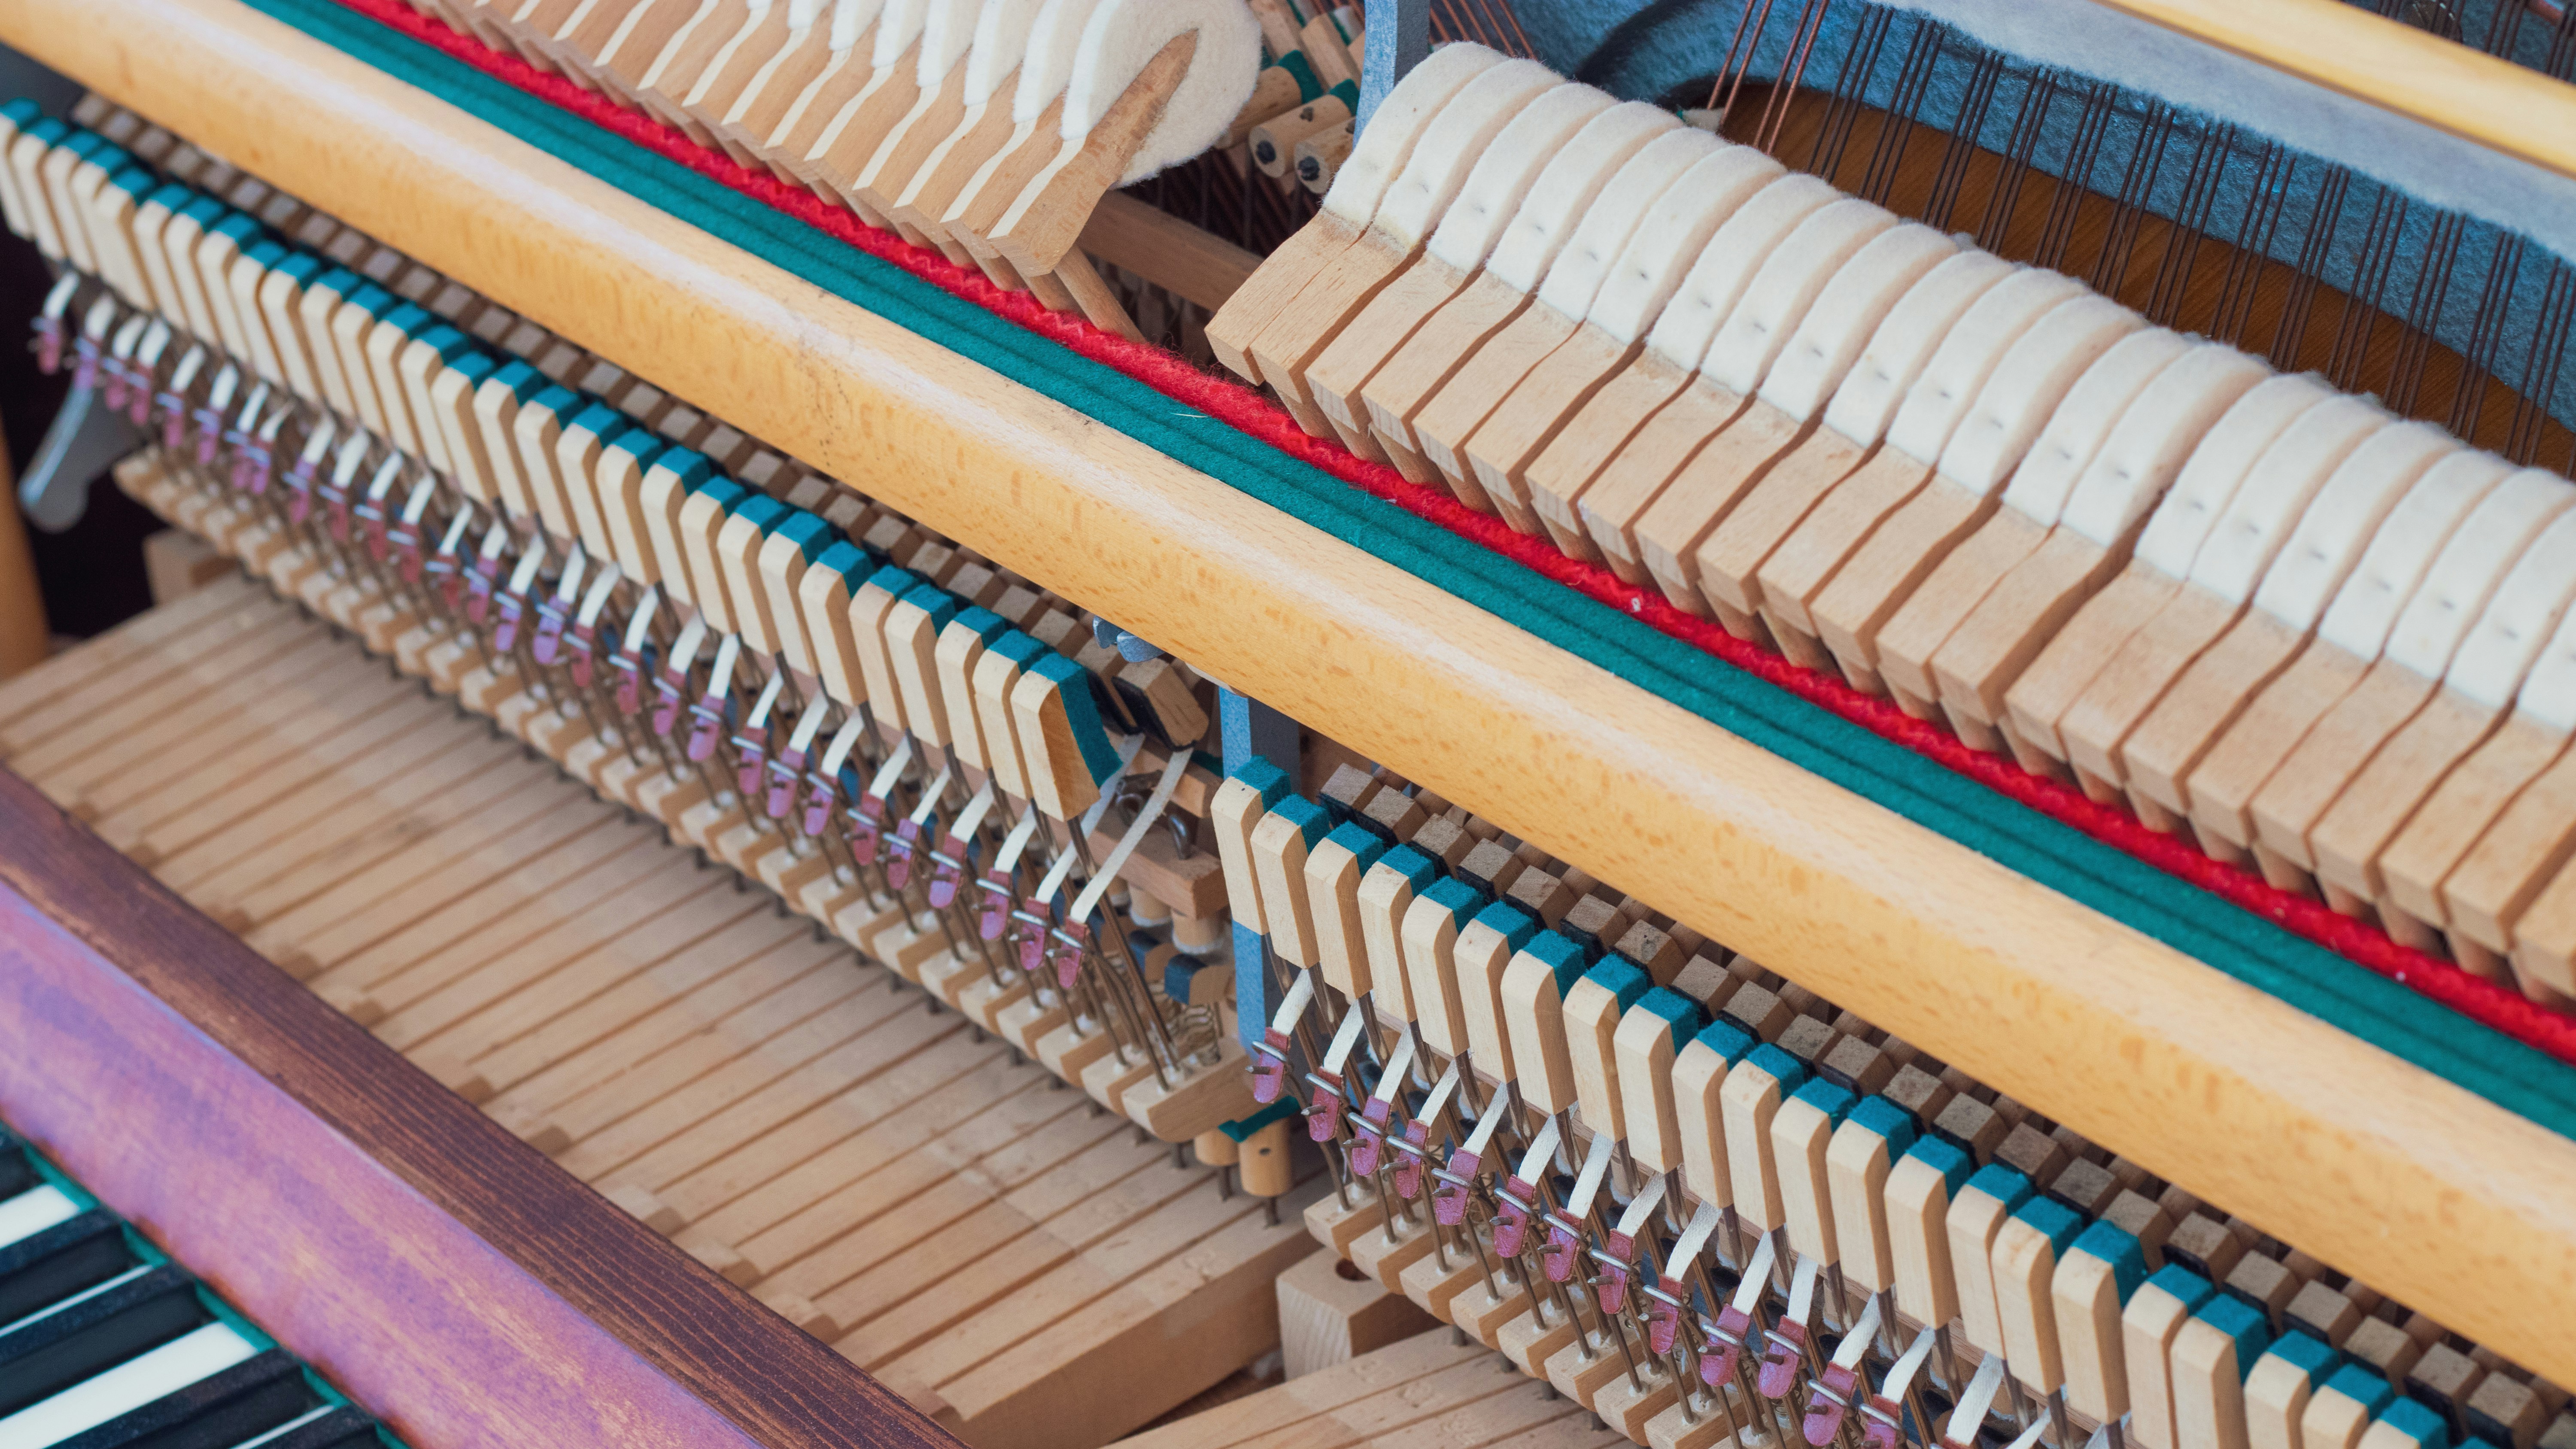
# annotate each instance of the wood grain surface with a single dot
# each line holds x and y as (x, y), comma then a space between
(458, 1284)
(2426, 1191)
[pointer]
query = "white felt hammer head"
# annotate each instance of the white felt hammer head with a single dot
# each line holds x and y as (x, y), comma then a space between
(1400, 119)
(851, 19)
(1124, 35)
(898, 26)
(1002, 34)
(1055, 40)
(948, 27)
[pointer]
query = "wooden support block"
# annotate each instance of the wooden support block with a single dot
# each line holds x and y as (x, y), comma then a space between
(1330, 1312)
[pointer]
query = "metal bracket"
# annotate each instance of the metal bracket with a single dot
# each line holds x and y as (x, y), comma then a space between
(87, 438)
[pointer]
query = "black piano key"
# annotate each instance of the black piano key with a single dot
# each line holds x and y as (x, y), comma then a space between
(50, 1266)
(17, 1174)
(342, 1428)
(216, 1412)
(52, 1352)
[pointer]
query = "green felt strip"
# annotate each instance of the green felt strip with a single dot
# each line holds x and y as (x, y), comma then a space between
(2383, 1012)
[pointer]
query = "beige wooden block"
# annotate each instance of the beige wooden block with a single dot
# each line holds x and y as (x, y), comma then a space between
(1330, 1312)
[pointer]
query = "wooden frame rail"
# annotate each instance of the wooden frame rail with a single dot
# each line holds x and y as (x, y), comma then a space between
(2453, 88)
(455, 1282)
(2426, 1191)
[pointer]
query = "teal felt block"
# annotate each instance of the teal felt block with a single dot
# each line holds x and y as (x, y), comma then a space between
(1626, 984)
(2306, 1352)
(300, 267)
(1835, 1102)
(2362, 1384)
(1946, 1158)
(1684, 1016)
(1732, 1043)
(2244, 1325)
(523, 381)
(135, 182)
(83, 144)
(2186, 1286)
(1419, 870)
(693, 469)
(1360, 841)
(895, 581)
(379, 304)
(1456, 897)
(981, 622)
(930, 599)
(764, 512)
(2118, 1247)
(812, 536)
(1081, 713)
(2005, 1185)
(477, 366)
(1266, 779)
(1888, 1120)
(2093, 873)
(645, 447)
(408, 318)
(556, 398)
(723, 492)
(1558, 954)
(2055, 1221)
(49, 130)
(1785, 1069)
(1019, 648)
(598, 419)
(2419, 1423)
(1513, 924)
(172, 197)
(265, 251)
(22, 113)
(447, 344)
(1312, 820)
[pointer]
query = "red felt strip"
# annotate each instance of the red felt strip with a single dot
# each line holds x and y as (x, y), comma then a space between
(2487, 1002)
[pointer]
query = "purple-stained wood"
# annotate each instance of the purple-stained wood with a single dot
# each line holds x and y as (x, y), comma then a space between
(457, 1283)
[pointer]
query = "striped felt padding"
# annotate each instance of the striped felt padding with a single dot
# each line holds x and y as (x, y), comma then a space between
(2506, 1049)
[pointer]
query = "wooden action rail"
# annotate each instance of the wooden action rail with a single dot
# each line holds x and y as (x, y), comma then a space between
(441, 1271)
(872, 1166)
(2205, 1081)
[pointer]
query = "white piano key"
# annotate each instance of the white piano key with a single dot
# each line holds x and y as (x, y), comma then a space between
(127, 1387)
(33, 1211)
